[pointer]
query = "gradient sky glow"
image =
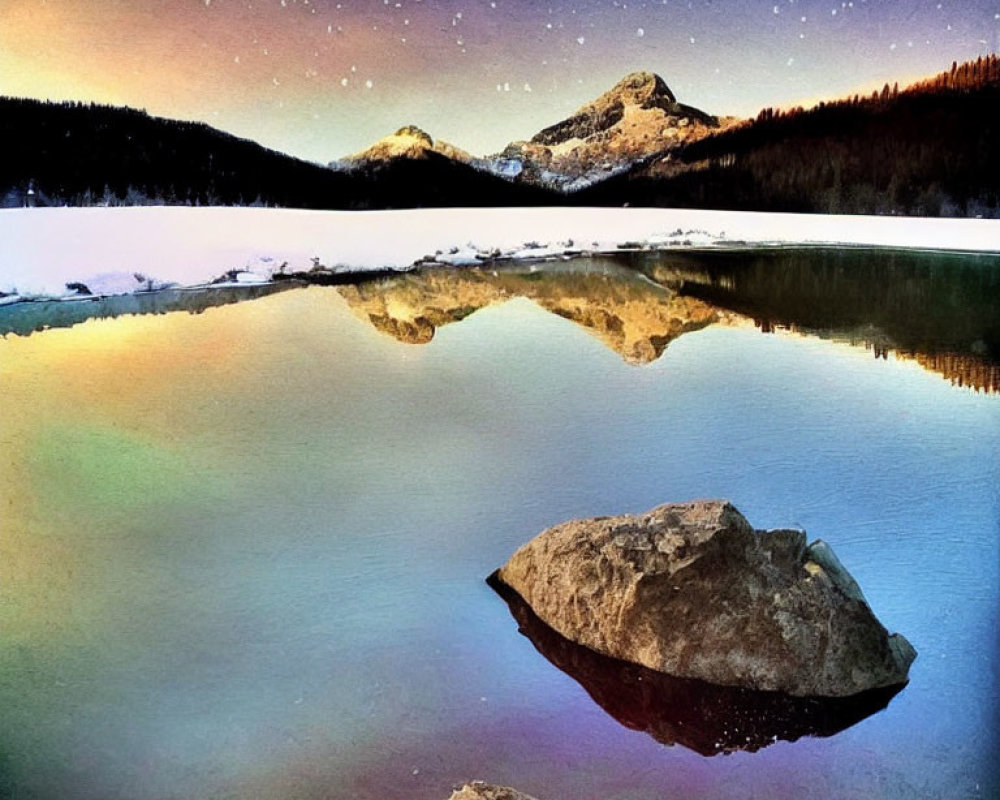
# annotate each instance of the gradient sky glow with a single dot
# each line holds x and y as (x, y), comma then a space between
(323, 78)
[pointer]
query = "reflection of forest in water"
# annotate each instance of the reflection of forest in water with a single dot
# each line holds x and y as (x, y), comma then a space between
(940, 310)
(31, 317)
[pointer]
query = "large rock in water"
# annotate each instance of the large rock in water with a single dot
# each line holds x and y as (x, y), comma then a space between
(704, 717)
(692, 590)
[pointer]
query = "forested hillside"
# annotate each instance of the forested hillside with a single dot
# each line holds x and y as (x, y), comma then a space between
(80, 154)
(931, 149)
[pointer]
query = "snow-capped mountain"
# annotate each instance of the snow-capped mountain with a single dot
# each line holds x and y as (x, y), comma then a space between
(634, 145)
(635, 120)
(638, 118)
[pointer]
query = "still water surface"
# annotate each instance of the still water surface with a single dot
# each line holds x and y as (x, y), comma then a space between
(244, 551)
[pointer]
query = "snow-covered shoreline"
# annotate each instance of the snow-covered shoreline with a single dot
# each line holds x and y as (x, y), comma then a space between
(43, 249)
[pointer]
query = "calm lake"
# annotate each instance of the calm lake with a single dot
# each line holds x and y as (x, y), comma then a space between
(244, 550)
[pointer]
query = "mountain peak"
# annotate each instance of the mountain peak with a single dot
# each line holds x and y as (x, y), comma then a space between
(639, 117)
(643, 89)
(413, 132)
(407, 142)
(637, 91)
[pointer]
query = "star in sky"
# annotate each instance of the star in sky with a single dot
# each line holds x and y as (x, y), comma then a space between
(323, 78)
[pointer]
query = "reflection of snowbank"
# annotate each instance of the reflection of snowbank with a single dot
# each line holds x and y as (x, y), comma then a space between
(43, 249)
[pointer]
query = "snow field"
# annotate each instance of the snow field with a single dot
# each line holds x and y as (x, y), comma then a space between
(118, 250)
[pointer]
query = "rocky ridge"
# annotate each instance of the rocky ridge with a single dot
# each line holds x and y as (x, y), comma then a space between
(478, 790)
(637, 119)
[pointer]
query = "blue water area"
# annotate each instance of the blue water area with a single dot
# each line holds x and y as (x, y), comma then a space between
(276, 590)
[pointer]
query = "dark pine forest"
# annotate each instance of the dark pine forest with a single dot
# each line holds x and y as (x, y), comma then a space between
(931, 149)
(82, 154)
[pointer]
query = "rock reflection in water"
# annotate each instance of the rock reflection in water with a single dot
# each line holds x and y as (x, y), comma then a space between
(703, 717)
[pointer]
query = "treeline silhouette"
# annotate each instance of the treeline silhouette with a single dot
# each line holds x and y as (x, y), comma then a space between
(940, 309)
(931, 149)
(85, 154)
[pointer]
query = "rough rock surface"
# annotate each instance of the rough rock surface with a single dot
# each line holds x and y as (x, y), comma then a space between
(704, 717)
(643, 90)
(692, 590)
(637, 118)
(477, 790)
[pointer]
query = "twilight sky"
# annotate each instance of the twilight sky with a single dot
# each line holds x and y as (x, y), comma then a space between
(324, 78)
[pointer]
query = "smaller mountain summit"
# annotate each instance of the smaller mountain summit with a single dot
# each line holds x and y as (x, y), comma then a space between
(637, 118)
(408, 142)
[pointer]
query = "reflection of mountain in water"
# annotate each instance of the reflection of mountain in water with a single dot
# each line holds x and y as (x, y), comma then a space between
(28, 317)
(942, 310)
(703, 717)
(634, 317)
